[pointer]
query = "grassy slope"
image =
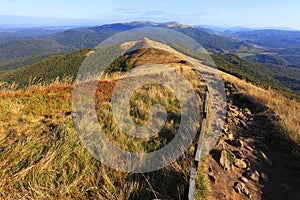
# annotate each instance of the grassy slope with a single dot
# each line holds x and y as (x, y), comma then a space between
(41, 155)
(60, 65)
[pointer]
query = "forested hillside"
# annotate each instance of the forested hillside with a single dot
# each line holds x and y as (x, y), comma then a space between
(48, 69)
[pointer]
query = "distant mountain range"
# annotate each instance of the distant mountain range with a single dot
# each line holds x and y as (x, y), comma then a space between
(271, 38)
(69, 40)
(274, 54)
(235, 29)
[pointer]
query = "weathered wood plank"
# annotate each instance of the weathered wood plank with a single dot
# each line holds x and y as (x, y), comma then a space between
(192, 186)
(200, 141)
(193, 172)
(206, 105)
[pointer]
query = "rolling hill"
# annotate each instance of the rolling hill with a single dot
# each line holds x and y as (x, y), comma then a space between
(283, 78)
(46, 70)
(274, 65)
(90, 37)
(42, 148)
(23, 48)
(280, 46)
(48, 67)
(271, 38)
(29, 33)
(21, 62)
(42, 156)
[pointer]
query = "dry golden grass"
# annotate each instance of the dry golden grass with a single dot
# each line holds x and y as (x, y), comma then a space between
(42, 157)
(287, 109)
(34, 85)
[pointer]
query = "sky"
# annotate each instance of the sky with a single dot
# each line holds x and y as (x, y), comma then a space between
(226, 13)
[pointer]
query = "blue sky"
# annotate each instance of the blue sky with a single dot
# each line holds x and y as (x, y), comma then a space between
(250, 13)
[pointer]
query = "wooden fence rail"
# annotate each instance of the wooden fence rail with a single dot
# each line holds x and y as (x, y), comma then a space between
(193, 171)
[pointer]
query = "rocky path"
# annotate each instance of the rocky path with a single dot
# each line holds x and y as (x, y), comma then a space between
(244, 164)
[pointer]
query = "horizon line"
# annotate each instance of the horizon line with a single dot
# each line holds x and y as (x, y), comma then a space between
(98, 22)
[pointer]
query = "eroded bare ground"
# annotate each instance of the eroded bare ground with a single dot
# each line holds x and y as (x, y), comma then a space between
(252, 159)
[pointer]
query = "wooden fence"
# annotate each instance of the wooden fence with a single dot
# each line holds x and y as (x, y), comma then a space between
(193, 171)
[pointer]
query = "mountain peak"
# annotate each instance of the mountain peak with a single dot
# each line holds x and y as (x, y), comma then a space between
(176, 24)
(163, 24)
(135, 23)
(145, 43)
(147, 51)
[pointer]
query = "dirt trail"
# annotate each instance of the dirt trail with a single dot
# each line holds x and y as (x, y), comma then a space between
(245, 164)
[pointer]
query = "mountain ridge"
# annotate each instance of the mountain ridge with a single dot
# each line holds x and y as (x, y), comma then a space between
(37, 126)
(92, 36)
